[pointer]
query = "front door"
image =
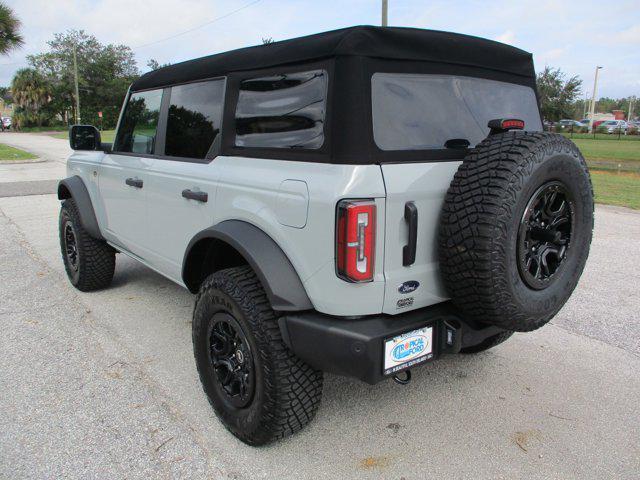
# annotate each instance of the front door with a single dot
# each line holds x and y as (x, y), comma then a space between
(123, 174)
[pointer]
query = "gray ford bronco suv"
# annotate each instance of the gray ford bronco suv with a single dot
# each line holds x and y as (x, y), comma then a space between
(358, 202)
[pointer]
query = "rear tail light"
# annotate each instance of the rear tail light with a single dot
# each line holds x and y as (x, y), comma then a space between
(355, 240)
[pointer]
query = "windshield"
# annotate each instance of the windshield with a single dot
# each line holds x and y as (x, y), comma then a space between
(418, 112)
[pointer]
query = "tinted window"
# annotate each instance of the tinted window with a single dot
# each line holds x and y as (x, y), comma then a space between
(193, 122)
(283, 111)
(415, 112)
(137, 133)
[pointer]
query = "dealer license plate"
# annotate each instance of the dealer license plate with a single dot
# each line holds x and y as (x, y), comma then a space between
(408, 349)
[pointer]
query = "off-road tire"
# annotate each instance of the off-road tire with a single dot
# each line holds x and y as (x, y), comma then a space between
(96, 260)
(483, 211)
(287, 391)
(488, 343)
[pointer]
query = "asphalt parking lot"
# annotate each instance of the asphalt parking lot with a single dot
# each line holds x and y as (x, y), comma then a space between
(103, 385)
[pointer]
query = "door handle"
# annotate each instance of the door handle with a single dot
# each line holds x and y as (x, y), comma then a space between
(409, 250)
(198, 196)
(134, 182)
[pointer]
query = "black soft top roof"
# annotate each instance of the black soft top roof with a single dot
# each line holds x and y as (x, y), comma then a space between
(392, 43)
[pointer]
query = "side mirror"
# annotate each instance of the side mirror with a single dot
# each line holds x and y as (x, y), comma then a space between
(84, 137)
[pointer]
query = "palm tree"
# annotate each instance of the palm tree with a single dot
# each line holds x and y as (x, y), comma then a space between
(10, 38)
(30, 91)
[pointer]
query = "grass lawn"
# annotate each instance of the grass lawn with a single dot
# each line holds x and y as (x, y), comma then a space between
(9, 154)
(107, 136)
(606, 152)
(622, 189)
(58, 128)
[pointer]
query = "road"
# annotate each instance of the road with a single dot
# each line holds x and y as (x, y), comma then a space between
(103, 384)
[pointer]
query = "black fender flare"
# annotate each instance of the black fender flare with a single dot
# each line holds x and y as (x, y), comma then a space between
(280, 280)
(74, 187)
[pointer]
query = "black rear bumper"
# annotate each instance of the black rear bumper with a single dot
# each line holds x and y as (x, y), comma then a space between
(355, 347)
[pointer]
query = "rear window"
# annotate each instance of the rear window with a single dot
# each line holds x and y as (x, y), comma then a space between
(138, 129)
(419, 112)
(282, 111)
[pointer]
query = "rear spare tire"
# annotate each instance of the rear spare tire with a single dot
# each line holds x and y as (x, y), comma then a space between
(516, 228)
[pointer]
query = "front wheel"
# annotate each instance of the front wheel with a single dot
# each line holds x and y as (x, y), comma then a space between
(89, 262)
(258, 388)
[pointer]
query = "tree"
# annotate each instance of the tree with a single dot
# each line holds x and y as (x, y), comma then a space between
(153, 64)
(30, 92)
(557, 95)
(5, 95)
(267, 41)
(10, 38)
(105, 72)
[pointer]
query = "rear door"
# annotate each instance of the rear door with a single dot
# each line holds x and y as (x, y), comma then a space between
(423, 113)
(182, 183)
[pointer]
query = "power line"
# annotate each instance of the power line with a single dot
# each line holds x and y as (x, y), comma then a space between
(170, 37)
(199, 26)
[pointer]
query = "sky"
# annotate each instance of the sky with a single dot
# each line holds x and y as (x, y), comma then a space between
(575, 36)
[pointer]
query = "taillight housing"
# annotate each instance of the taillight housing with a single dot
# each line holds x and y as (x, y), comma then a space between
(356, 240)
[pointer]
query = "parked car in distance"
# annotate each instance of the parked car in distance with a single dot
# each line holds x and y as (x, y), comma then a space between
(6, 123)
(568, 123)
(615, 126)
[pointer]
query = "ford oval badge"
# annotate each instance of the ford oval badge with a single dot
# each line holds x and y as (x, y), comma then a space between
(408, 287)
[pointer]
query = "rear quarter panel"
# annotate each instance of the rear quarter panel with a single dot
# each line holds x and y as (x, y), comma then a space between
(250, 190)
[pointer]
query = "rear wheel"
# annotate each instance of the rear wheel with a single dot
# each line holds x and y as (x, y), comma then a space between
(258, 388)
(89, 262)
(516, 228)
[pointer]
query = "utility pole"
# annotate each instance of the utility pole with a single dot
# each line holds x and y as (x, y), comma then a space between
(385, 12)
(632, 103)
(75, 76)
(593, 100)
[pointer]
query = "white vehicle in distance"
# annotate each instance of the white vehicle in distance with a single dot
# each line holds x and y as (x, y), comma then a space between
(614, 126)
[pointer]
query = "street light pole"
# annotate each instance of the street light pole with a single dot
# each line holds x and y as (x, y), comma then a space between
(385, 10)
(75, 76)
(593, 100)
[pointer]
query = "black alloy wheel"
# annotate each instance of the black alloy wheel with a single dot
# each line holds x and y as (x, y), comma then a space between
(544, 235)
(71, 246)
(232, 360)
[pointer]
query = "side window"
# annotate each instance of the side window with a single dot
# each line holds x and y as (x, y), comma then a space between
(193, 123)
(282, 111)
(137, 133)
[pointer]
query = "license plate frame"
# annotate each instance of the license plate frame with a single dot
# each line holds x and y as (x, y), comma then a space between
(408, 349)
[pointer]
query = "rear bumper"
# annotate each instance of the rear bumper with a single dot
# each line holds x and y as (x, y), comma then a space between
(355, 347)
